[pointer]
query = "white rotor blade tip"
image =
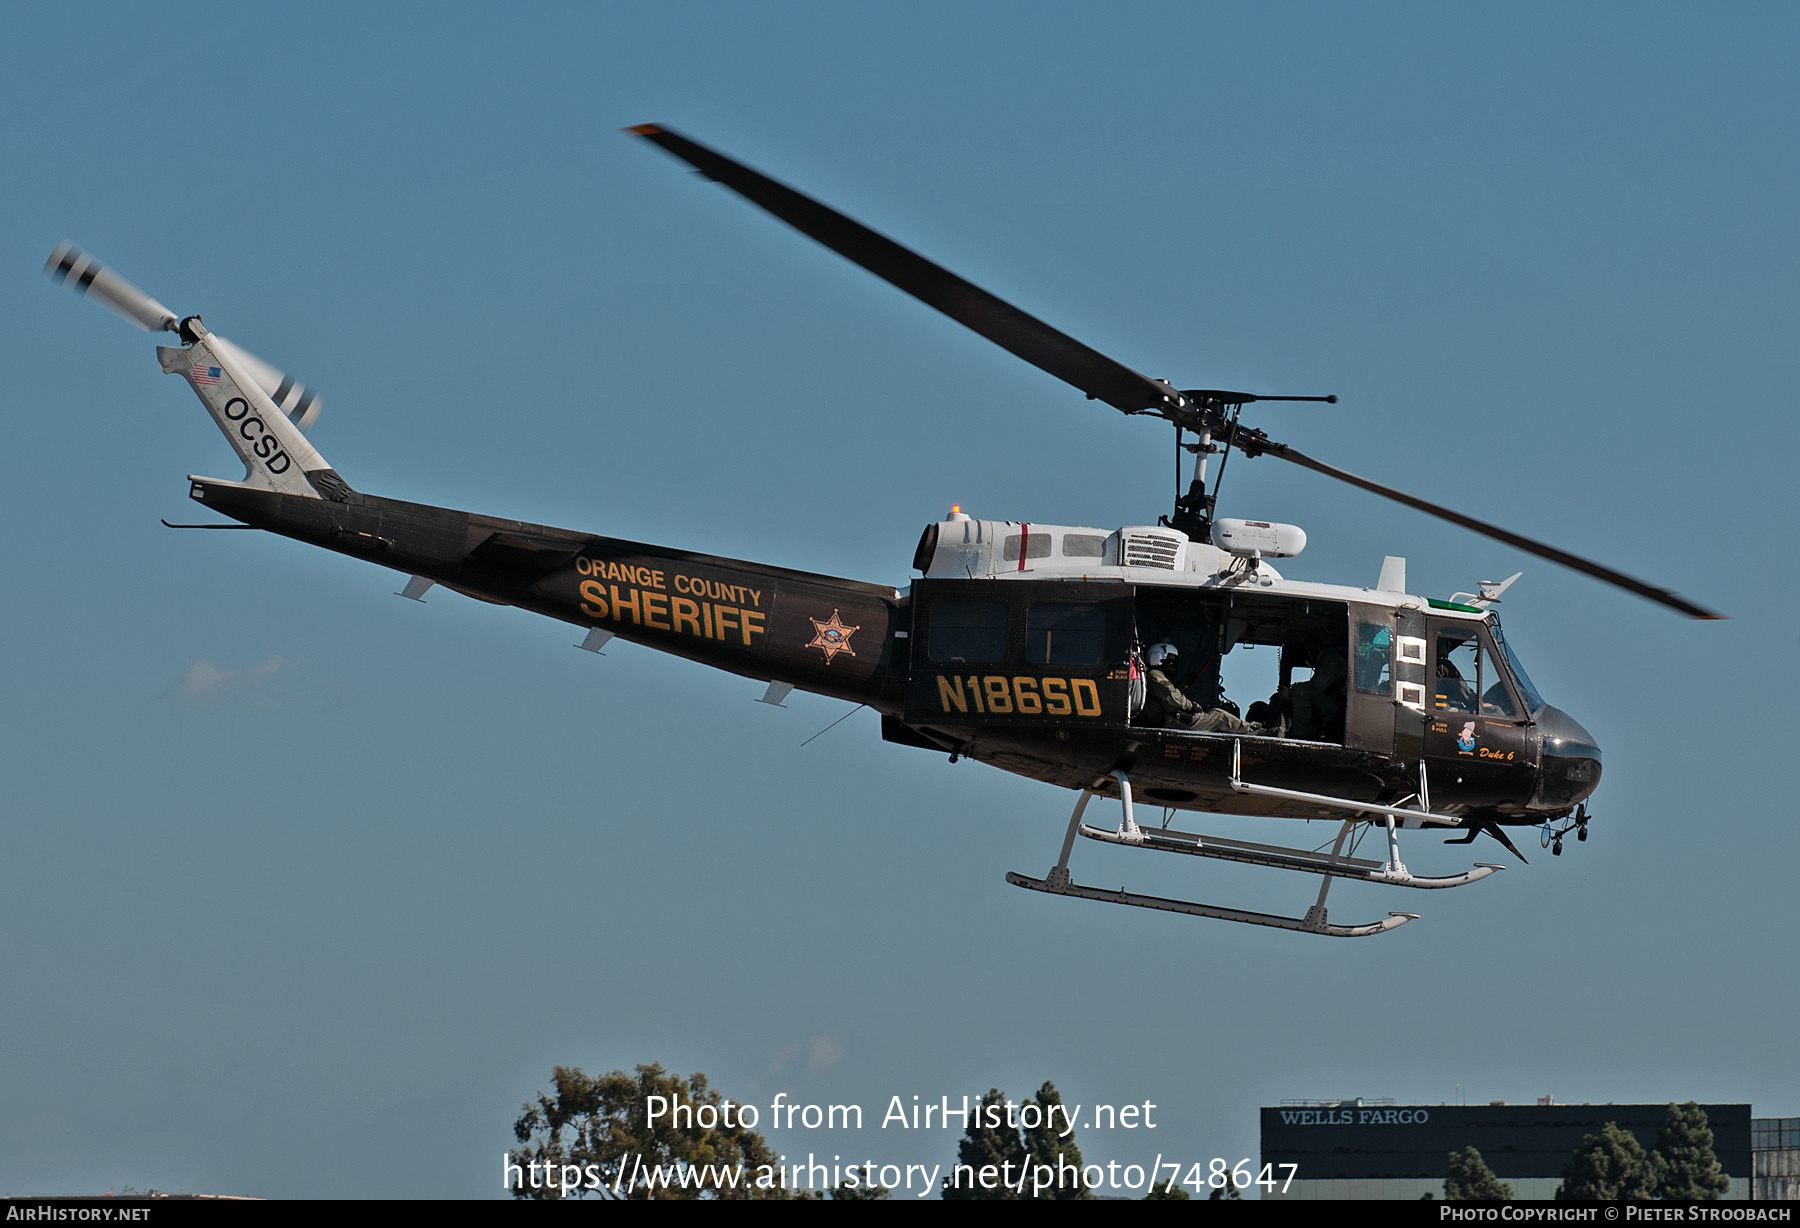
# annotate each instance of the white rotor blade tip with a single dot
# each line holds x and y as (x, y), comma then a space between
(87, 276)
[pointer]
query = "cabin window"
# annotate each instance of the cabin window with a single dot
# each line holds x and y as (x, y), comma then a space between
(968, 631)
(1065, 633)
(1374, 672)
(1083, 546)
(1037, 546)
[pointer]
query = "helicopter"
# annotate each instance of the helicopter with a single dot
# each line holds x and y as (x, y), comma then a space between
(1034, 648)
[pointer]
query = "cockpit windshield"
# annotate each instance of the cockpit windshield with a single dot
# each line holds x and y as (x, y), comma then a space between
(1533, 700)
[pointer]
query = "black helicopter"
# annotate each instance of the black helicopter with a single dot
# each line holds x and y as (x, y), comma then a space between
(1029, 647)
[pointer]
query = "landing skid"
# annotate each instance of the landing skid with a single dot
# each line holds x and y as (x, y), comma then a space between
(1328, 866)
(1276, 857)
(1308, 924)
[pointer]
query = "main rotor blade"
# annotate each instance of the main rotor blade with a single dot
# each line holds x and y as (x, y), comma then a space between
(1030, 338)
(1660, 595)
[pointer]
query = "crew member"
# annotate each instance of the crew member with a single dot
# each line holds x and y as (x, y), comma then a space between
(1321, 698)
(1164, 704)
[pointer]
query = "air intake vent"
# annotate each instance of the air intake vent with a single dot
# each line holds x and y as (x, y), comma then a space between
(1151, 547)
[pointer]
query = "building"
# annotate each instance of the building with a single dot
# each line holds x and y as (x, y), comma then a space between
(1367, 1149)
(1775, 1158)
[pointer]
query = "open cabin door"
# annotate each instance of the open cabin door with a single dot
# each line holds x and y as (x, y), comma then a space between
(1020, 652)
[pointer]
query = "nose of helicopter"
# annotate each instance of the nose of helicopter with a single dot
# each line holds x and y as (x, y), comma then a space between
(1569, 767)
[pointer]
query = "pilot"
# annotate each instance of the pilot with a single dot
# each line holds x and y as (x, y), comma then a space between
(1320, 698)
(1453, 690)
(1164, 704)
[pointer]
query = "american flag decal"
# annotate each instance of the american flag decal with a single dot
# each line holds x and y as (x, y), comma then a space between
(205, 375)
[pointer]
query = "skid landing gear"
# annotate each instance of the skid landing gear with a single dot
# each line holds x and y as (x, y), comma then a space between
(1327, 865)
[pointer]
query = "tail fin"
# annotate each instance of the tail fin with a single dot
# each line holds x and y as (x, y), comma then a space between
(292, 397)
(73, 267)
(275, 452)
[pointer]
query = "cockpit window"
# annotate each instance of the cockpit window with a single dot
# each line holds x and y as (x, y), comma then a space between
(1469, 678)
(1458, 670)
(1495, 701)
(1533, 700)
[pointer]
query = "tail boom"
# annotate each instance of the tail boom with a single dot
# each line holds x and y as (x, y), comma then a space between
(818, 633)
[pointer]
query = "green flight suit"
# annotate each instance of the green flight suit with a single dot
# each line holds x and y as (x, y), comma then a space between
(1164, 704)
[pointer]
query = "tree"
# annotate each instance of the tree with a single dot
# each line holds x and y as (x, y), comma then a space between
(1609, 1166)
(1046, 1144)
(1689, 1169)
(1028, 1151)
(597, 1132)
(989, 1141)
(845, 1192)
(1469, 1179)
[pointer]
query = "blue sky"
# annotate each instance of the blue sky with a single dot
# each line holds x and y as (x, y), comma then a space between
(307, 888)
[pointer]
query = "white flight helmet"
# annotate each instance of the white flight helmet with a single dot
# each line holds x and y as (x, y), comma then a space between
(1161, 653)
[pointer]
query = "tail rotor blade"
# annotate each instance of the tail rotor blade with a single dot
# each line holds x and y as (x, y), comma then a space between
(87, 276)
(296, 400)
